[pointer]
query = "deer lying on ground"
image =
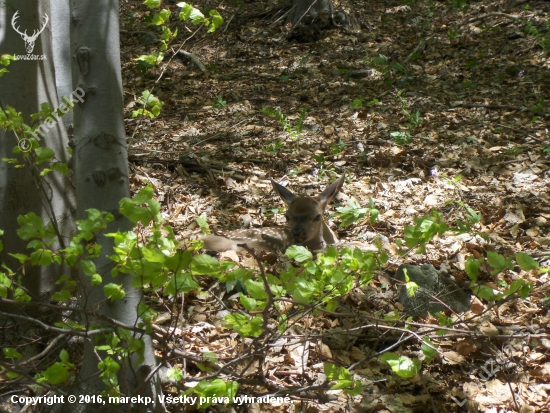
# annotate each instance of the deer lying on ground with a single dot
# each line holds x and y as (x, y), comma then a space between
(305, 220)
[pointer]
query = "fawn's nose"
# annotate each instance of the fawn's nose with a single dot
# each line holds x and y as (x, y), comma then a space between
(299, 234)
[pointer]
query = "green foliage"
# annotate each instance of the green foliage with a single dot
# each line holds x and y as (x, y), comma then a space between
(332, 272)
(203, 224)
(151, 105)
(423, 232)
(220, 103)
(57, 373)
(356, 103)
(403, 366)
(499, 263)
(274, 148)
(354, 212)
(295, 130)
(429, 349)
(410, 286)
(161, 18)
(390, 70)
(215, 391)
(337, 147)
(146, 62)
(245, 326)
(471, 218)
(5, 60)
(342, 379)
(401, 137)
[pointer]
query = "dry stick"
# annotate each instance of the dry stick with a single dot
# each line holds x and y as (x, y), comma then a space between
(65, 308)
(229, 21)
(475, 105)
(43, 353)
(176, 52)
(495, 13)
(513, 161)
(194, 59)
(64, 331)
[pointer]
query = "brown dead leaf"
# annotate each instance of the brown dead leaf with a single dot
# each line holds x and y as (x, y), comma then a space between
(452, 357)
(467, 347)
(477, 307)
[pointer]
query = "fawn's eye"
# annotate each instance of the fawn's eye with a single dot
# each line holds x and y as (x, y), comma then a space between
(317, 218)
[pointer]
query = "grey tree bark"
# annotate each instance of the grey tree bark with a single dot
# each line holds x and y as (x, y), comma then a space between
(28, 84)
(101, 178)
(61, 48)
(307, 9)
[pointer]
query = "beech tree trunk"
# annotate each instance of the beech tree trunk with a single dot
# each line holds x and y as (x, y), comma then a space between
(101, 178)
(61, 48)
(28, 84)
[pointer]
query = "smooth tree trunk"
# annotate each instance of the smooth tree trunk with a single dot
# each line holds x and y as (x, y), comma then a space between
(101, 178)
(28, 84)
(61, 48)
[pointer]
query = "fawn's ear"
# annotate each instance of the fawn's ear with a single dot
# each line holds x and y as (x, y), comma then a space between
(331, 191)
(286, 194)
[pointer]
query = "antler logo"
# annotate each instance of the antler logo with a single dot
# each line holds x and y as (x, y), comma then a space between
(29, 40)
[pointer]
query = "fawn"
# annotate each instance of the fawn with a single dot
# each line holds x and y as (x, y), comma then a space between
(305, 220)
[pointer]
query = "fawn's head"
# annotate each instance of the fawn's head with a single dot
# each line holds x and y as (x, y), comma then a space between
(305, 213)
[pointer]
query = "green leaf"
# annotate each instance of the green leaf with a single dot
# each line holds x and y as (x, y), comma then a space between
(216, 391)
(217, 20)
(11, 353)
(31, 226)
(175, 374)
(429, 352)
(96, 279)
(205, 265)
(298, 253)
(160, 17)
(336, 373)
(256, 289)
(57, 373)
(498, 262)
(484, 292)
(152, 4)
(472, 267)
(401, 365)
(43, 155)
(63, 295)
(64, 356)
(519, 285)
(245, 326)
(114, 291)
(5, 59)
(249, 303)
(88, 267)
(357, 389)
(526, 262)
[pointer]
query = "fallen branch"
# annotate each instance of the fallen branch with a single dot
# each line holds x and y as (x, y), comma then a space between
(495, 13)
(475, 105)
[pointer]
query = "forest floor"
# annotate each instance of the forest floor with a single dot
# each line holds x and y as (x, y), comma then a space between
(426, 106)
